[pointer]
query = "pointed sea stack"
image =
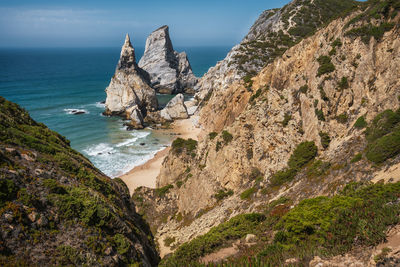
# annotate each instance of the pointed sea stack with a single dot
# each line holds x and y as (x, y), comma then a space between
(170, 71)
(129, 93)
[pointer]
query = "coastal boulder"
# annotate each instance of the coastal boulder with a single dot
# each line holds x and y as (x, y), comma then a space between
(129, 86)
(175, 109)
(135, 116)
(169, 71)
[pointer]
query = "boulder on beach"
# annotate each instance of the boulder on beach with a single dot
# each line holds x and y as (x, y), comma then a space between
(135, 116)
(175, 109)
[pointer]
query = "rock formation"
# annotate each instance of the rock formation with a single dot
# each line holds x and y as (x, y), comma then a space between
(175, 109)
(129, 88)
(169, 71)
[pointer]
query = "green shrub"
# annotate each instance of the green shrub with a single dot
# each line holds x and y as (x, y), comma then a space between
(163, 190)
(168, 241)
(356, 158)
(226, 136)
(246, 194)
(336, 43)
(179, 184)
(384, 148)
(256, 95)
(122, 244)
(286, 119)
(382, 124)
(360, 123)
(320, 114)
(79, 203)
(8, 191)
(54, 186)
(304, 153)
(325, 65)
(282, 176)
(368, 31)
(325, 139)
(248, 82)
(218, 146)
(318, 168)
(342, 118)
(323, 94)
(223, 193)
(303, 89)
(212, 135)
(179, 145)
(343, 84)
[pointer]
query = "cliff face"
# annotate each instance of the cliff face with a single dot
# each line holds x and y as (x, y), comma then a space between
(56, 208)
(323, 90)
(129, 92)
(170, 71)
(271, 35)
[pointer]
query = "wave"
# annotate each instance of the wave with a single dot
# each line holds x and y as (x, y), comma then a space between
(75, 111)
(124, 166)
(137, 135)
(100, 105)
(100, 149)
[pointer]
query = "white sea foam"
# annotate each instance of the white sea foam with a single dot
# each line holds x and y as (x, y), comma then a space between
(99, 149)
(130, 141)
(125, 164)
(100, 105)
(75, 110)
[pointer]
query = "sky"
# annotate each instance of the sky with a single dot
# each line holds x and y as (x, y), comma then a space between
(101, 23)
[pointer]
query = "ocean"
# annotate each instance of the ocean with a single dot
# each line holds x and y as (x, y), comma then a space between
(50, 83)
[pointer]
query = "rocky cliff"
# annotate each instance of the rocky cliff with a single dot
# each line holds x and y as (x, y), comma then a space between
(129, 93)
(270, 36)
(56, 208)
(170, 71)
(315, 119)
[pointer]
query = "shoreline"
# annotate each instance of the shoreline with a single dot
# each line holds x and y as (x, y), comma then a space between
(146, 173)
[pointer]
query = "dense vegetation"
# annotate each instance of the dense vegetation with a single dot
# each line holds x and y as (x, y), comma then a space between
(358, 216)
(233, 229)
(56, 208)
(373, 21)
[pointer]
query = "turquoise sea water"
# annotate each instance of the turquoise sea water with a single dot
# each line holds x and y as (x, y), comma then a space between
(50, 82)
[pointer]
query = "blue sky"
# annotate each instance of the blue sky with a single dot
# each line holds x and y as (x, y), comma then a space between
(100, 23)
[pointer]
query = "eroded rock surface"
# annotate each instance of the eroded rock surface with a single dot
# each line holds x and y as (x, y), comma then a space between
(175, 109)
(169, 71)
(129, 87)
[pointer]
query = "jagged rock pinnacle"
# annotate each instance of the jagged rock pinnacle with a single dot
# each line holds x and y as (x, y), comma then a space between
(169, 71)
(127, 58)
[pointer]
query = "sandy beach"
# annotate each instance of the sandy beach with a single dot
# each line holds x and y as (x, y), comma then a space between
(146, 174)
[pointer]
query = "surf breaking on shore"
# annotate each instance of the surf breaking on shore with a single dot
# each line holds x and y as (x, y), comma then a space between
(145, 173)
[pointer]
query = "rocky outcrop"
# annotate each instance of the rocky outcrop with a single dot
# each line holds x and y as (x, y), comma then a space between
(169, 71)
(271, 35)
(57, 209)
(129, 88)
(136, 118)
(175, 109)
